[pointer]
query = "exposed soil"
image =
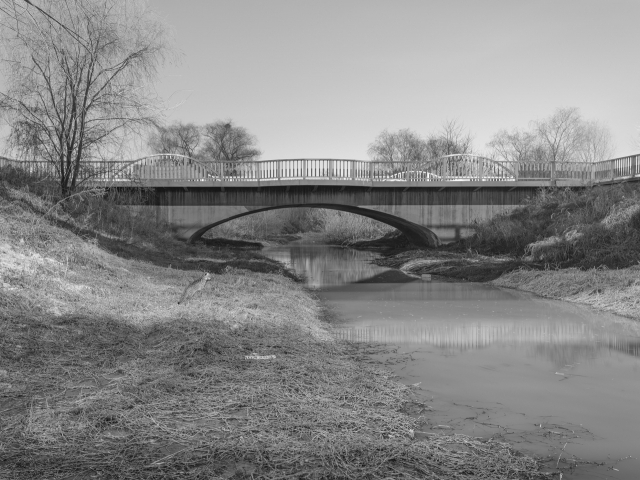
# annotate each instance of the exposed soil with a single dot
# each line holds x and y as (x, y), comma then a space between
(612, 290)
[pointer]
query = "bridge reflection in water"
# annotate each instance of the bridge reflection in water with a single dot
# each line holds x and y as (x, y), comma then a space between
(453, 316)
(321, 266)
(491, 361)
(548, 339)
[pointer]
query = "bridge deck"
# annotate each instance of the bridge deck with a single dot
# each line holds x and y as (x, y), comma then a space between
(160, 183)
(168, 170)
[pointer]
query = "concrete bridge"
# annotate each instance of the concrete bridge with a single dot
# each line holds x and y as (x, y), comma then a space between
(430, 202)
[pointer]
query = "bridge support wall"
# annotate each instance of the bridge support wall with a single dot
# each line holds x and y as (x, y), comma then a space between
(448, 212)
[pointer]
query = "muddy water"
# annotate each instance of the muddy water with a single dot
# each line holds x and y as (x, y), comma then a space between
(557, 380)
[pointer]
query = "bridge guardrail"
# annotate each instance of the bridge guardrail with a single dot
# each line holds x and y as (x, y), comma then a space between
(171, 167)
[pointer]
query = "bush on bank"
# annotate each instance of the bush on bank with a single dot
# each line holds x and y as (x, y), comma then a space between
(593, 227)
(89, 211)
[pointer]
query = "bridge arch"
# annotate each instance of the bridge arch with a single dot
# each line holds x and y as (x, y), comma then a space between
(416, 234)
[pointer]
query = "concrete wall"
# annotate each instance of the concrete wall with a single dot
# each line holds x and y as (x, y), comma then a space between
(448, 212)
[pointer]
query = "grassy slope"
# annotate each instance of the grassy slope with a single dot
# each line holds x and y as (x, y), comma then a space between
(103, 375)
(596, 227)
(589, 242)
(616, 291)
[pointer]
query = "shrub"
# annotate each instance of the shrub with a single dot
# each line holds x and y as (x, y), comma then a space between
(118, 213)
(593, 227)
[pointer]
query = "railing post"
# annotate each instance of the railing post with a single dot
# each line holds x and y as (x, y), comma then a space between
(371, 171)
(612, 171)
(353, 170)
(480, 168)
(331, 165)
(279, 169)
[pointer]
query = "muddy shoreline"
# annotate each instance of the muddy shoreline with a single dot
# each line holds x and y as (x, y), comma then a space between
(612, 290)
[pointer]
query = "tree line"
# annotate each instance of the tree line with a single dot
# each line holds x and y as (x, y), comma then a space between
(220, 141)
(562, 137)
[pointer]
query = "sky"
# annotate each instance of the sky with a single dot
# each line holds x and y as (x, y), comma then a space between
(321, 79)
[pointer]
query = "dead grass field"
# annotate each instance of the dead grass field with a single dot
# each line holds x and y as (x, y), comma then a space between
(104, 375)
(616, 290)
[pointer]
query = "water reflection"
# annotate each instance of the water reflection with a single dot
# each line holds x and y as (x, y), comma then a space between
(460, 316)
(510, 359)
(322, 265)
(561, 343)
(468, 316)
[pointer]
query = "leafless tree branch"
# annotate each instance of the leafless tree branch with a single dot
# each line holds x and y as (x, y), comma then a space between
(80, 75)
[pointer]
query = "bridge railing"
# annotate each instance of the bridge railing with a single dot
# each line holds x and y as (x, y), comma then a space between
(448, 168)
(582, 171)
(622, 167)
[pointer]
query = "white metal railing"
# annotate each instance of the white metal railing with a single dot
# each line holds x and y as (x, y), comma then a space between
(171, 167)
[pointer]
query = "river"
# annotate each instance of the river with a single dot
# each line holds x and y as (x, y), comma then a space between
(557, 380)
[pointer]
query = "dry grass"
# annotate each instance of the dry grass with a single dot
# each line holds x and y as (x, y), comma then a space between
(344, 228)
(568, 228)
(616, 291)
(103, 375)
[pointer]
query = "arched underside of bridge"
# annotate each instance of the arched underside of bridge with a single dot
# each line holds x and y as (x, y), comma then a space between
(416, 234)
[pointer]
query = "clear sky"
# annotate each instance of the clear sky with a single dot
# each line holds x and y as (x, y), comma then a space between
(322, 78)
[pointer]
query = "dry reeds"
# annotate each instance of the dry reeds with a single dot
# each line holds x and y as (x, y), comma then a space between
(587, 228)
(344, 228)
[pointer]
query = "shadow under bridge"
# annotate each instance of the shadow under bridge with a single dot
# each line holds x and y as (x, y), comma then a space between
(416, 234)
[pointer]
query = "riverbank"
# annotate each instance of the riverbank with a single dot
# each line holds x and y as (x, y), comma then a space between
(104, 375)
(580, 246)
(612, 290)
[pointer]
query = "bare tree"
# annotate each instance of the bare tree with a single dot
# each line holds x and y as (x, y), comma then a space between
(517, 146)
(562, 134)
(597, 142)
(226, 142)
(403, 146)
(179, 138)
(79, 76)
(451, 139)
